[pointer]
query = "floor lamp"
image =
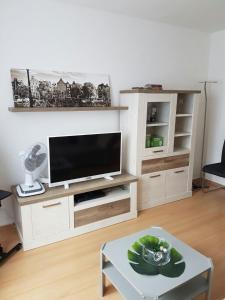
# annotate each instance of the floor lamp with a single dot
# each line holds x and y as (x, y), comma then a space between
(205, 83)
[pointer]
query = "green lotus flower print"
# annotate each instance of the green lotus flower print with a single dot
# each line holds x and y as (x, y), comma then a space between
(152, 255)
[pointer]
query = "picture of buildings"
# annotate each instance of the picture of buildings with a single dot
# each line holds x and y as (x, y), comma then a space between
(32, 88)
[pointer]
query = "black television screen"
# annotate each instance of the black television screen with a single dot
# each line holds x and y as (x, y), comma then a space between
(81, 157)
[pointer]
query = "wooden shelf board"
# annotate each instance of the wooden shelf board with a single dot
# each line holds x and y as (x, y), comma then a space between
(154, 124)
(177, 134)
(65, 109)
(181, 150)
(183, 115)
(75, 188)
(149, 91)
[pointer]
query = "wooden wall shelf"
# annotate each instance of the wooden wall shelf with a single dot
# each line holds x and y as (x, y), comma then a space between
(65, 109)
(149, 91)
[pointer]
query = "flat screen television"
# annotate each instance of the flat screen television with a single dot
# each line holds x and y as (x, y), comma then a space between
(82, 157)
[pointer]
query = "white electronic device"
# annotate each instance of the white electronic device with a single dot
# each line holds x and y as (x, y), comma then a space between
(34, 161)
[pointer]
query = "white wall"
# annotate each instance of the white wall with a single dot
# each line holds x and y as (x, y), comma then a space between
(216, 107)
(55, 35)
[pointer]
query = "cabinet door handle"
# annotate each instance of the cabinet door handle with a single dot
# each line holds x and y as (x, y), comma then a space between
(157, 151)
(154, 176)
(51, 205)
(181, 171)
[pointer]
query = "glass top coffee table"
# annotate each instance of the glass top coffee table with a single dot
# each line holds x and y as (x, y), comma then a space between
(195, 280)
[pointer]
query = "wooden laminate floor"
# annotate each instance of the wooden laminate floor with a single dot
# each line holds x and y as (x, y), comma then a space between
(69, 270)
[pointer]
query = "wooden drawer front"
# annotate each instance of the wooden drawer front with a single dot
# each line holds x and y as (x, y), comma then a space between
(165, 163)
(177, 161)
(153, 189)
(153, 165)
(50, 217)
(94, 214)
(176, 182)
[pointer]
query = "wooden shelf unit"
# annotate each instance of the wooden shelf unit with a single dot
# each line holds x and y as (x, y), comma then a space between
(53, 216)
(66, 109)
(160, 184)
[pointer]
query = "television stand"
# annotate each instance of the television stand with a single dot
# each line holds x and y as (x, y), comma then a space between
(109, 178)
(55, 216)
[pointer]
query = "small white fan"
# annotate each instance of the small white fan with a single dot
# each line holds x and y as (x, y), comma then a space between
(34, 161)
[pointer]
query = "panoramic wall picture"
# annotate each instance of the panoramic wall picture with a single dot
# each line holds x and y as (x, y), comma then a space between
(34, 88)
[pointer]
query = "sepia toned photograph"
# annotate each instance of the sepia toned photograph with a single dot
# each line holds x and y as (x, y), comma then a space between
(34, 88)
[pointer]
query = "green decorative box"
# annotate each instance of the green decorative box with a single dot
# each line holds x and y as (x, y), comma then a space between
(156, 141)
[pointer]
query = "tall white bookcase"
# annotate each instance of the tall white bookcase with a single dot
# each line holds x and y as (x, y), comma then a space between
(165, 172)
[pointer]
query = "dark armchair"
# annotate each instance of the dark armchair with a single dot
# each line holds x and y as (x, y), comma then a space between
(217, 169)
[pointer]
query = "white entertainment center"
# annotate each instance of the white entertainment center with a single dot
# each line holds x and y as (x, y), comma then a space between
(164, 173)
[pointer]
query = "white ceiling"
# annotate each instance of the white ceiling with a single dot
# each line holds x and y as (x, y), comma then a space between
(203, 15)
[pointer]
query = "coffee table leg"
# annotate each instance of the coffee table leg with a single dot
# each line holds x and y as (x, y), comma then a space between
(102, 261)
(209, 279)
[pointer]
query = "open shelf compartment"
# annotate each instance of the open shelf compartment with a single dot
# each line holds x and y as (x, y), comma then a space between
(185, 103)
(157, 131)
(162, 113)
(182, 144)
(156, 127)
(111, 194)
(114, 203)
(183, 126)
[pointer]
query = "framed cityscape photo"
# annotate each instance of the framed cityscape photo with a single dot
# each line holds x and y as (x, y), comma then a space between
(34, 88)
